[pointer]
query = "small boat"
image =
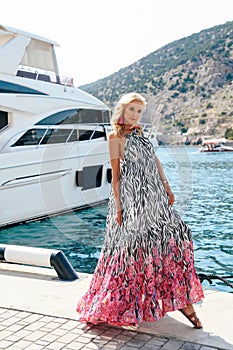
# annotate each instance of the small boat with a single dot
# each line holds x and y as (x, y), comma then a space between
(53, 136)
(215, 145)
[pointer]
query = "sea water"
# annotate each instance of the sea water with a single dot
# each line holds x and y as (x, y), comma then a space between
(203, 187)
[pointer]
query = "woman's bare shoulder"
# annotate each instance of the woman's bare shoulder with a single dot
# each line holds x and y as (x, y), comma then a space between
(113, 136)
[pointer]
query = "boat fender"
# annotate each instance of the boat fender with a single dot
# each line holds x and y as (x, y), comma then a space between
(63, 267)
(39, 257)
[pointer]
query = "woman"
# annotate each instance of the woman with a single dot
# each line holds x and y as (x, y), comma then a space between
(146, 266)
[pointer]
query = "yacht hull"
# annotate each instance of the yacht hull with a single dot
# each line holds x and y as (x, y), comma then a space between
(50, 181)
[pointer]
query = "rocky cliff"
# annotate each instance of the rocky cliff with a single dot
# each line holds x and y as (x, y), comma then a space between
(188, 84)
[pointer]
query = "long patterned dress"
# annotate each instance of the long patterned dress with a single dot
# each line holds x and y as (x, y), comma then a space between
(146, 266)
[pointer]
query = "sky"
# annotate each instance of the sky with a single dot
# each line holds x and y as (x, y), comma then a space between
(99, 37)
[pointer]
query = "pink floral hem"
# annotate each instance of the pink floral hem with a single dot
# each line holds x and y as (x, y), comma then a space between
(145, 290)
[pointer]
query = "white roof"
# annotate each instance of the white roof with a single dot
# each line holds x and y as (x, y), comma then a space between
(18, 47)
(11, 30)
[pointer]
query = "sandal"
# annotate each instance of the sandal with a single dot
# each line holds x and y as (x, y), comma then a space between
(192, 318)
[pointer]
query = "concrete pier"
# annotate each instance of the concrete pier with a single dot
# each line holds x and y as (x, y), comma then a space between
(37, 311)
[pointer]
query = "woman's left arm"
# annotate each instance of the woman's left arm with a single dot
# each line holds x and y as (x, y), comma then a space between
(165, 182)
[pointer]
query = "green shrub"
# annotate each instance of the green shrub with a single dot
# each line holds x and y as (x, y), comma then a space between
(229, 134)
(184, 129)
(202, 121)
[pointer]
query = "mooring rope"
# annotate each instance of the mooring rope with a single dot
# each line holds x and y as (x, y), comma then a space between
(209, 278)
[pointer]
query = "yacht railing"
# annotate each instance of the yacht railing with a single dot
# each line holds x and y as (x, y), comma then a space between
(49, 77)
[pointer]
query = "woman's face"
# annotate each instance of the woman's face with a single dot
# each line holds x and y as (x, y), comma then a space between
(133, 112)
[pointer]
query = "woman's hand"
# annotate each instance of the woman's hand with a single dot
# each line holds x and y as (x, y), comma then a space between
(171, 197)
(119, 217)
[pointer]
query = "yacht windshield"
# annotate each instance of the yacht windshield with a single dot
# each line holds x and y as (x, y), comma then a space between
(77, 116)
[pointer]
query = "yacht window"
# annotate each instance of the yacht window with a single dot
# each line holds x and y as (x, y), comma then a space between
(31, 137)
(58, 118)
(52, 136)
(85, 135)
(76, 116)
(3, 119)
(11, 88)
(98, 134)
(73, 136)
(90, 116)
(59, 136)
(106, 117)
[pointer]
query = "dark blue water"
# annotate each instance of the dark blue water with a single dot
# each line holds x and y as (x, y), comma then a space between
(203, 187)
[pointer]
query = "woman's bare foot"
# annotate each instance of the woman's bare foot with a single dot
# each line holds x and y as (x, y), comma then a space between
(190, 314)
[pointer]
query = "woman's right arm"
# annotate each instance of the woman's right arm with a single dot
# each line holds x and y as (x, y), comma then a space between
(114, 151)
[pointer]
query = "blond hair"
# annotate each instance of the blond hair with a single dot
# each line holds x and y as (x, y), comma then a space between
(119, 110)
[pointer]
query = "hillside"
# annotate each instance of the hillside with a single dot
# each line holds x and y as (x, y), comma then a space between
(188, 83)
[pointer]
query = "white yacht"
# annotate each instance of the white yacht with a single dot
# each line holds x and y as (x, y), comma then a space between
(53, 136)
